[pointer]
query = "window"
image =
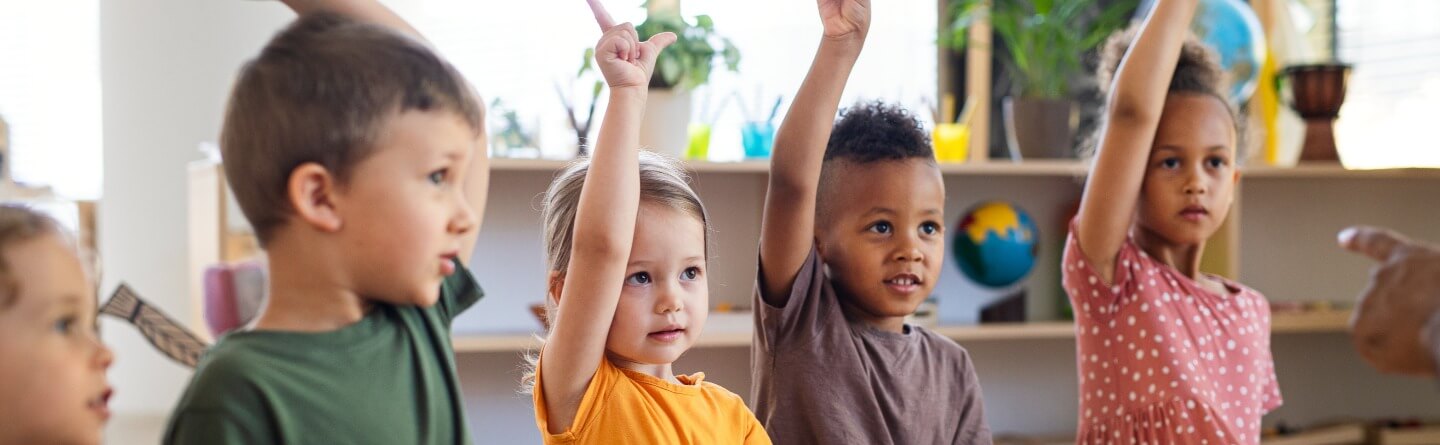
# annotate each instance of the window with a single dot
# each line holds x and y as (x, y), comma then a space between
(519, 51)
(50, 93)
(1394, 90)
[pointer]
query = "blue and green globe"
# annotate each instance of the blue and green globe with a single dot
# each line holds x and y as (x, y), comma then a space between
(995, 244)
(1231, 28)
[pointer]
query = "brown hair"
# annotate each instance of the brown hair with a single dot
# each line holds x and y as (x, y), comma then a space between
(320, 92)
(662, 182)
(1197, 71)
(19, 224)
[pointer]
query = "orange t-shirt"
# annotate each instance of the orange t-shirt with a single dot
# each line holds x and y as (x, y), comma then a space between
(623, 406)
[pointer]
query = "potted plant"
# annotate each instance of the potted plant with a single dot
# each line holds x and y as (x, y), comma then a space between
(1045, 40)
(582, 127)
(686, 64)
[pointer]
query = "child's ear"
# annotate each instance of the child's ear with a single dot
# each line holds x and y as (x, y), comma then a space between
(556, 284)
(311, 191)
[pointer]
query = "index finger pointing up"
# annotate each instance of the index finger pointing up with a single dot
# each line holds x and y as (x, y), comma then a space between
(1374, 242)
(602, 16)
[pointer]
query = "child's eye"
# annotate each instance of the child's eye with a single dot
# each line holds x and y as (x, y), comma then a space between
(438, 176)
(690, 273)
(63, 325)
(880, 227)
(929, 228)
(1170, 162)
(638, 279)
(1216, 162)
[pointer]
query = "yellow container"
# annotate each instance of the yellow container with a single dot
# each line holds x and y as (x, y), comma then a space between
(951, 141)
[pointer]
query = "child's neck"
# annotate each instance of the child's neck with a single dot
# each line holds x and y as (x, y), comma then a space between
(1184, 258)
(661, 371)
(308, 293)
(881, 322)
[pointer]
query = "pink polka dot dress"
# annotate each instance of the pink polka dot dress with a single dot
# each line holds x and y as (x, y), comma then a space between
(1163, 360)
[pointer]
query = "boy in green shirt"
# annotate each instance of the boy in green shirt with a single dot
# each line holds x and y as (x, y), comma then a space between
(358, 156)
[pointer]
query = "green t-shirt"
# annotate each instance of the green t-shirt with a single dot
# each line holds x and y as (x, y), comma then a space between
(388, 379)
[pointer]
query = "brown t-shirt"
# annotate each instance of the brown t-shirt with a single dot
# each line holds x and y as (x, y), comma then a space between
(822, 379)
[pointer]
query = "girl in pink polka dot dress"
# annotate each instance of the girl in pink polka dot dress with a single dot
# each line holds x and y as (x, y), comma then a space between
(1167, 355)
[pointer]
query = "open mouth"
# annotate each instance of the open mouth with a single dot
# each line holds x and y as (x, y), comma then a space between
(100, 404)
(904, 283)
(447, 262)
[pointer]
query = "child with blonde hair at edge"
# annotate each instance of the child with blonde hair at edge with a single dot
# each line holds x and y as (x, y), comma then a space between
(52, 364)
(1167, 354)
(626, 242)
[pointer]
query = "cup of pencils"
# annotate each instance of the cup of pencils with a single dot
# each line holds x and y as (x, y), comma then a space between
(951, 137)
(757, 137)
(757, 134)
(699, 148)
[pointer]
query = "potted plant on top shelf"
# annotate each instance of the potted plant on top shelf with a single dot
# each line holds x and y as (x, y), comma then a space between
(680, 68)
(1045, 40)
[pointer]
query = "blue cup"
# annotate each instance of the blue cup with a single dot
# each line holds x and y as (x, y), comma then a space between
(757, 137)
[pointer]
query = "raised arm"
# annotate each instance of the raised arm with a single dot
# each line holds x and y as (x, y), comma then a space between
(1136, 100)
(604, 223)
(787, 229)
(364, 10)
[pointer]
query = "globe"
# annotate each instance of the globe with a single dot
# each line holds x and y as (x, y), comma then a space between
(1230, 28)
(995, 244)
(1233, 30)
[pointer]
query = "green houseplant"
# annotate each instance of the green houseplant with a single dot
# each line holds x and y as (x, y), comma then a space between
(1045, 40)
(687, 63)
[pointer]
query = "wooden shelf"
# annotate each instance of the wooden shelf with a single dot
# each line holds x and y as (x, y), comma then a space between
(1310, 322)
(733, 329)
(1034, 168)
(1335, 170)
(998, 168)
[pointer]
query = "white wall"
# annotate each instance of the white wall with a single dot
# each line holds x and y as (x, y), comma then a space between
(166, 66)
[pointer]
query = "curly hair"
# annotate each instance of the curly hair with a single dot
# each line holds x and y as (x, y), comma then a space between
(877, 131)
(1198, 71)
(866, 133)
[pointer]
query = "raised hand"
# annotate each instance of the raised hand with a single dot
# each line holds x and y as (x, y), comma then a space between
(845, 18)
(623, 59)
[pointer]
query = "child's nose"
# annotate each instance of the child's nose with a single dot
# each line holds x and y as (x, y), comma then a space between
(104, 357)
(464, 219)
(1195, 183)
(909, 250)
(668, 300)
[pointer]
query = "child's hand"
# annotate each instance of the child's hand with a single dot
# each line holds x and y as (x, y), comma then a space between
(623, 59)
(845, 18)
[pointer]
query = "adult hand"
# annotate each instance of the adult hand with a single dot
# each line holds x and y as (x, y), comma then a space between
(1388, 327)
(623, 59)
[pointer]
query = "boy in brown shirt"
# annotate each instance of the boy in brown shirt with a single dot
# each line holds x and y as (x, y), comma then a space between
(851, 242)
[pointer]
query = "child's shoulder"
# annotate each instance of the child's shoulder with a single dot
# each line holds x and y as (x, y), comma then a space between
(946, 351)
(229, 371)
(232, 357)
